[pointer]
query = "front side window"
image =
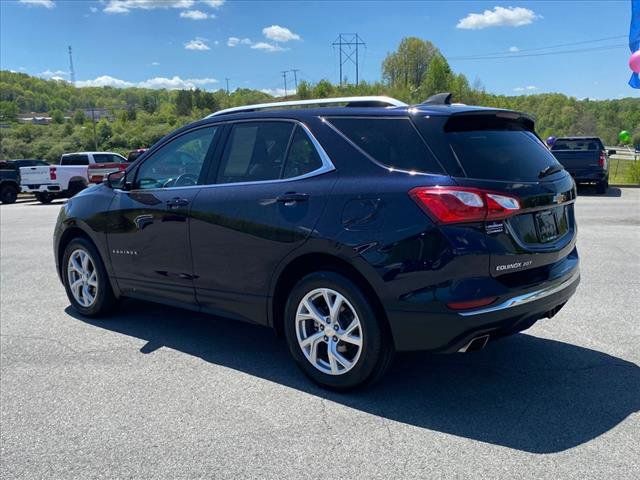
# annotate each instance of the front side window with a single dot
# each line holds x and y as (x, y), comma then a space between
(255, 151)
(179, 162)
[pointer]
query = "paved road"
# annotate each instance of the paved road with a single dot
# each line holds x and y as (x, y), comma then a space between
(161, 393)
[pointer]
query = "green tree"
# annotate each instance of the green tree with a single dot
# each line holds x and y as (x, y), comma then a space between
(438, 77)
(8, 111)
(184, 102)
(407, 66)
(57, 116)
(78, 117)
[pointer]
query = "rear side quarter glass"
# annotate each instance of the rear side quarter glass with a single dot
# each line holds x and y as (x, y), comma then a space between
(392, 142)
(74, 160)
(302, 157)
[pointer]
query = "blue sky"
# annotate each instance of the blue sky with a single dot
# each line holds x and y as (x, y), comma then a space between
(177, 43)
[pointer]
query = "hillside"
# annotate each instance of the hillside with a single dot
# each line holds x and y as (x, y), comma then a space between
(139, 117)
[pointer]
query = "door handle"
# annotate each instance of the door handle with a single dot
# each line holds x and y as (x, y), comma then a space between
(291, 198)
(177, 202)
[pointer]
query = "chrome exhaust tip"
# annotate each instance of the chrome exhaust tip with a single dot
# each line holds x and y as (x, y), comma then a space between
(475, 344)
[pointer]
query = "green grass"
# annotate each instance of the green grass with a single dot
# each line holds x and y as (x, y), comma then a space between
(624, 172)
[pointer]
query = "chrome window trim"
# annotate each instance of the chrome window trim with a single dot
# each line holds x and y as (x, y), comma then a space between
(526, 297)
(327, 164)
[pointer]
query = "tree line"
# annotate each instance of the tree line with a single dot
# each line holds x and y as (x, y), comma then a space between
(139, 117)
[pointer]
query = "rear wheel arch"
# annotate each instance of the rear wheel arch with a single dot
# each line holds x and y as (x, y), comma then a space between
(313, 262)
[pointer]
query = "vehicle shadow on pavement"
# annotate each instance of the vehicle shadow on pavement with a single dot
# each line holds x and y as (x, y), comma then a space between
(590, 191)
(522, 392)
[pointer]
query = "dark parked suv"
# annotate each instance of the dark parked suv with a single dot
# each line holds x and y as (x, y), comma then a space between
(354, 230)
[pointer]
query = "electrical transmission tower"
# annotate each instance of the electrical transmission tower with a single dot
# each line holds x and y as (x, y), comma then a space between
(348, 44)
(72, 73)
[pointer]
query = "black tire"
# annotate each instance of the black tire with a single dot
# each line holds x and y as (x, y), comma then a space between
(44, 197)
(75, 187)
(105, 300)
(377, 346)
(602, 187)
(8, 194)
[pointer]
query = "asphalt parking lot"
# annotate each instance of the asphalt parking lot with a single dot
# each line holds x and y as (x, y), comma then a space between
(155, 392)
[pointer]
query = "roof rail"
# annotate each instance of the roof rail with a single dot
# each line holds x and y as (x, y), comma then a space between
(364, 101)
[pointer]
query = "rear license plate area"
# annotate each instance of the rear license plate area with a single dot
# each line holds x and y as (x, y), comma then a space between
(546, 226)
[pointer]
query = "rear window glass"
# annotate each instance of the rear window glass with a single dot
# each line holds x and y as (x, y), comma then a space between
(393, 142)
(74, 160)
(577, 144)
(500, 154)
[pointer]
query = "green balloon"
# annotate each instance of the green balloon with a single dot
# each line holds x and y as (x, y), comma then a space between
(624, 136)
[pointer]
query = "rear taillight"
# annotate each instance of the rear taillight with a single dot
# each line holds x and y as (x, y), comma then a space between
(53, 174)
(122, 166)
(461, 204)
(603, 160)
(468, 304)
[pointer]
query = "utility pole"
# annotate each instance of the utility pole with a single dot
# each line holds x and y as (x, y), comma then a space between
(95, 136)
(348, 44)
(72, 73)
(295, 77)
(284, 77)
(227, 79)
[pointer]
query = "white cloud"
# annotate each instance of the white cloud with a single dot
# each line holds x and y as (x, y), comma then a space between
(195, 15)
(125, 6)
(174, 83)
(235, 41)
(197, 44)
(104, 81)
(268, 47)
(51, 74)
(514, 49)
(213, 3)
(155, 64)
(528, 88)
(498, 17)
(278, 92)
(277, 33)
(39, 3)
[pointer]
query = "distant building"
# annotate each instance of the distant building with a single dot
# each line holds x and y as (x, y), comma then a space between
(34, 118)
(97, 113)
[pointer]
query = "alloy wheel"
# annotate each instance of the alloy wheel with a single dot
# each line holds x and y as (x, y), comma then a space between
(83, 277)
(329, 331)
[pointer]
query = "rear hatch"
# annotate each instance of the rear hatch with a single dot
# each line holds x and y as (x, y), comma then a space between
(580, 157)
(498, 155)
(35, 176)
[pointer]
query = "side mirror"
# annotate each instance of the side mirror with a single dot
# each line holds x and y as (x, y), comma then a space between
(118, 180)
(611, 152)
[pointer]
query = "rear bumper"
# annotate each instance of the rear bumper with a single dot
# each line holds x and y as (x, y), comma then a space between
(590, 177)
(452, 331)
(49, 187)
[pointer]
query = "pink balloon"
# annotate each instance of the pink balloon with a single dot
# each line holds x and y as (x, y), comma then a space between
(634, 61)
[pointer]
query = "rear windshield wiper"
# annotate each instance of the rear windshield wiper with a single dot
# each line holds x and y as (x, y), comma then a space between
(550, 170)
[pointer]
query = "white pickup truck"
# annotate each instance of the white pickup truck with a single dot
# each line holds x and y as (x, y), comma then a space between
(70, 175)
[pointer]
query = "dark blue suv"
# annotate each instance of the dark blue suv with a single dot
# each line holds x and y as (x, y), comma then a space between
(355, 230)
